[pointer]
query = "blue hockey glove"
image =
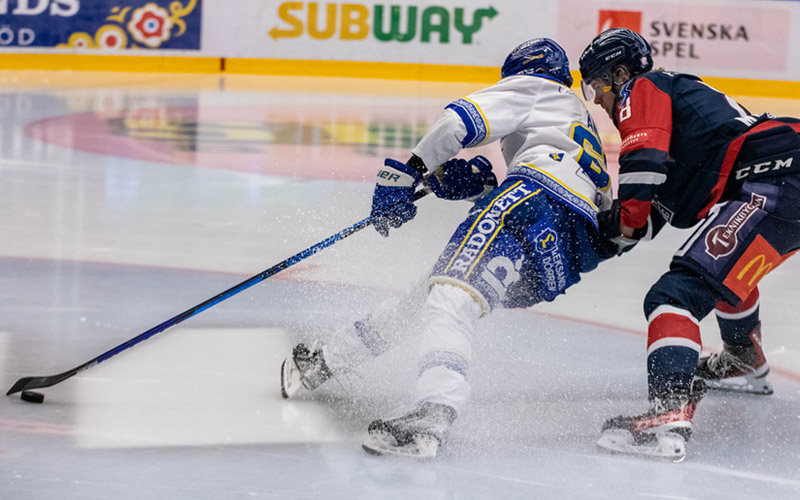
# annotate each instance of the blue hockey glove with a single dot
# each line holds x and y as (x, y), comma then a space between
(393, 199)
(459, 179)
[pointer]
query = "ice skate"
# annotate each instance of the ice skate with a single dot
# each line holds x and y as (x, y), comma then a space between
(418, 434)
(737, 369)
(661, 433)
(303, 370)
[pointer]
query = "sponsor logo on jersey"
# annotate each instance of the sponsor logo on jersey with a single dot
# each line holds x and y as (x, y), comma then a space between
(756, 262)
(550, 260)
(632, 139)
(501, 273)
(721, 240)
(546, 241)
(764, 167)
(486, 227)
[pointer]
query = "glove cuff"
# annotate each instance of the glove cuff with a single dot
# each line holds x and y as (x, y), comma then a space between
(398, 174)
(417, 164)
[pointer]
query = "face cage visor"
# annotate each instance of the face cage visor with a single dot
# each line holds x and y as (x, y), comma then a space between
(592, 88)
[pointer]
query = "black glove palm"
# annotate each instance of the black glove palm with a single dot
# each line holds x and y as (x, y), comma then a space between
(611, 236)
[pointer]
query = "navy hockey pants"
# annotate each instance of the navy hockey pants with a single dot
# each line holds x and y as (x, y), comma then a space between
(724, 260)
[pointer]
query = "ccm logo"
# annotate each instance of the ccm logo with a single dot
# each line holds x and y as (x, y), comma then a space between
(760, 168)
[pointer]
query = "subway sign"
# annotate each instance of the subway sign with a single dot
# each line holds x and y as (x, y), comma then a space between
(385, 23)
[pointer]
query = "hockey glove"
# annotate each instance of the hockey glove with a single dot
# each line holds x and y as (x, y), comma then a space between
(459, 179)
(393, 199)
(609, 224)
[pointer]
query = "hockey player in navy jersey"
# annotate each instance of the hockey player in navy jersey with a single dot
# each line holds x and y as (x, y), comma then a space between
(523, 242)
(691, 154)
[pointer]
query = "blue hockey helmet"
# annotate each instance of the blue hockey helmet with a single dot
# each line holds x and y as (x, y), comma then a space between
(540, 56)
(612, 48)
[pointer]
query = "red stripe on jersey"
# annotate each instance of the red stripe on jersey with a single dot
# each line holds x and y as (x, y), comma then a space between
(634, 213)
(744, 305)
(730, 157)
(667, 325)
(644, 118)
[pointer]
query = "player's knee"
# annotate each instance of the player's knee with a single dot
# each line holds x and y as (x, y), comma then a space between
(455, 296)
(450, 318)
(681, 288)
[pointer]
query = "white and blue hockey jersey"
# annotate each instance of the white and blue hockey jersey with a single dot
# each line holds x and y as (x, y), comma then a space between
(545, 133)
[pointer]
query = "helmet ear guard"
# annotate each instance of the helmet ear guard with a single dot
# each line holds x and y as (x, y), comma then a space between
(538, 56)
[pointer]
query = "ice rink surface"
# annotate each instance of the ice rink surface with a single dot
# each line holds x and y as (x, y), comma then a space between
(126, 199)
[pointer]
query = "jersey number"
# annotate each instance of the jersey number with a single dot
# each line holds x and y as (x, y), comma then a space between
(592, 158)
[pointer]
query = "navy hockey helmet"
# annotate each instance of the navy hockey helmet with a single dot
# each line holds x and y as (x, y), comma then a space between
(612, 48)
(539, 56)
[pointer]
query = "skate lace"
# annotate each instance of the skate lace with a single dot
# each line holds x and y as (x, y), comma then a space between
(723, 362)
(313, 370)
(430, 419)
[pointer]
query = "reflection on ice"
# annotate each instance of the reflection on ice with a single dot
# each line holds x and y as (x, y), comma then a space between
(99, 245)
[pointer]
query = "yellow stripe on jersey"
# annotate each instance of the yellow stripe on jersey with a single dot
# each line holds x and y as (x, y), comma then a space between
(555, 179)
(497, 231)
(477, 219)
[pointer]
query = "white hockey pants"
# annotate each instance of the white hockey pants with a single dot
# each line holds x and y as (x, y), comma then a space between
(449, 317)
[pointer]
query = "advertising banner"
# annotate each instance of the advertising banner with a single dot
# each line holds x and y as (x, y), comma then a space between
(459, 32)
(102, 24)
(712, 38)
(749, 39)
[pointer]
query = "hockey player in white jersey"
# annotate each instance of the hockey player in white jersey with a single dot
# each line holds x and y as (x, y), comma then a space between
(523, 242)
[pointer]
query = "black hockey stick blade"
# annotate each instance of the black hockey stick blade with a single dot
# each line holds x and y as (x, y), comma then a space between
(26, 383)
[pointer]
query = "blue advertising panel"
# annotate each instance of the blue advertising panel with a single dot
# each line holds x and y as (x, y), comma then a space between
(101, 24)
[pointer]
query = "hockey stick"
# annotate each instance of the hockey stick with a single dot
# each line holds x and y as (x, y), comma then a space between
(26, 383)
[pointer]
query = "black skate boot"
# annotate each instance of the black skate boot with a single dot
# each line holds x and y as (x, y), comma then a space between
(304, 369)
(660, 433)
(418, 434)
(737, 368)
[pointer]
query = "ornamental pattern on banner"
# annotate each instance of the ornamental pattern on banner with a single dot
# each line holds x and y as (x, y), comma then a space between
(102, 24)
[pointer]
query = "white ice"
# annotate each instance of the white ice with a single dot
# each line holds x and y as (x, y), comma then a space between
(97, 247)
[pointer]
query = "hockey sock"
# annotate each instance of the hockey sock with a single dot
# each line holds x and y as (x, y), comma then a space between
(737, 322)
(673, 348)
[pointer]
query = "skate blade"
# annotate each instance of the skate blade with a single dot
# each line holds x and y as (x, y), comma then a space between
(748, 384)
(666, 447)
(290, 379)
(384, 444)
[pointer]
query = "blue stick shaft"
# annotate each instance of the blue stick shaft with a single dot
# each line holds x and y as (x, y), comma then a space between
(244, 285)
(26, 383)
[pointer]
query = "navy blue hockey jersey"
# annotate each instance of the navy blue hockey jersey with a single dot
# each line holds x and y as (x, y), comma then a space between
(680, 141)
